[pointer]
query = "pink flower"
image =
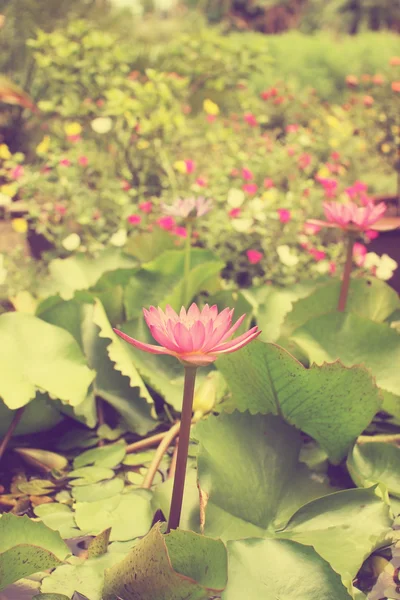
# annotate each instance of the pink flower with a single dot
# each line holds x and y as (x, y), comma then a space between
(188, 207)
(65, 162)
(190, 166)
(291, 151)
(352, 217)
(146, 207)
(292, 128)
(74, 138)
(332, 268)
(234, 213)
(211, 118)
(317, 254)
(247, 174)
(83, 161)
(329, 185)
(166, 223)
(357, 188)
(335, 156)
(180, 232)
(195, 337)
(268, 183)
(311, 229)
(234, 173)
(250, 188)
(304, 160)
(17, 172)
(134, 219)
(125, 185)
(250, 119)
(359, 253)
(254, 256)
(284, 215)
(201, 181)
(370, 234)
(60, 209)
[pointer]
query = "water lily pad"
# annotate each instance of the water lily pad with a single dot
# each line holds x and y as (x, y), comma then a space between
(98, 491)
(106, 456)
(375, 462)
(88, 475)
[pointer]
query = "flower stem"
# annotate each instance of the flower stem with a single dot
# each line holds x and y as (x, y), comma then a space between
(389, 438)
(161, 450)
(186, 272)
(183, 448)
(12, 427)
(344, 290)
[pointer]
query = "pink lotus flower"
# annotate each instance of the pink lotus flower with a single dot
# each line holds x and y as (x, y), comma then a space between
(17, 172)
(250, 119)
(352, 217)
(166, 223)
(247, 174)
(188, 207)
(284, 215)
(196, 338)
(146, 207)
(234, 213)
(134, 219)
(190, 166)
(250, 188)
(83, 161)
(254, 256)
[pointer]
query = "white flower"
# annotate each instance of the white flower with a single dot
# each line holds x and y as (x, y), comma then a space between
(71, 242)
(101, 124)
(286, 256)
(385, 265)
(119, 238)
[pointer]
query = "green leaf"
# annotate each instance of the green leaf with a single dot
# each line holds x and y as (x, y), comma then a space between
(106, 456)
(98, 491)
(331, 403)
(98, 545)
(34, 354)
(148, 245)
(27, 547)
(36, 487)
(44, 460)
(248, 466)
(369, 298)
(160, 281)
(51, 597)
(355, 341)
(129, 515)
(375, 462)
(280, 569)
(181, 565)
(40, 414)
(344, 528)
(88, 475)
(81, 272)
(58, 517)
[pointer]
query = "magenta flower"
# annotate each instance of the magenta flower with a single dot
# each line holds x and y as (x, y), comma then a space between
(250, 119)
(359, 254)
(201, 181)
(329, 185)
(181, 232)
(195, 337)
(234, 213)
(190, 166)
(284, 215)
(65, 162)
(250, 188)
(351, 217)
(188, 207)
(357, 188)
(268, 183)
(146, 207)
(83, 161)
(317, 254)
(134, 219)
(17, 172)
(166, 223)
(370, 234)
(254, 256)
(247, 174)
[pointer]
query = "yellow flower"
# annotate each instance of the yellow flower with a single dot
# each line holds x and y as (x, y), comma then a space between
(210, 107)
(323, 172)
(4, 152)
(44, 145)
(180, 166)
(9, 189)
(142, 144)
(72, 128)
(19, 225)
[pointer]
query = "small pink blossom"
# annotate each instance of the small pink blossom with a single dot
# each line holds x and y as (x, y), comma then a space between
(188, 207)
(254, 256)
(250, 119)
(250, 188)
(65, 162)
(196, 338)
(268, 183)
(201, 181)
(234, 213)
(335, 156)
(332, 267)
(74, 138)
(329, 185)
(190, 166)
(166, 223)
(247, 174)
(359, 254)
(292, 128)
(60, 209)
(134, 219)
(304, 160)
(317, 254)
(83, 161)
(125, 185)
(146, 207)
(284, 215)
(357, 188)
(370, 234)
(211, 118)
(181, 232)
(17, 172)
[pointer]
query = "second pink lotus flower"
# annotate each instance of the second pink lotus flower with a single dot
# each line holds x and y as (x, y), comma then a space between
(352, 217)
(197, 338)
